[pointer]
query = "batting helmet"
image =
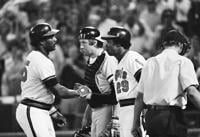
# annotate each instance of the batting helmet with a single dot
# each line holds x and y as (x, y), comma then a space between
(84, 132)
(175, 37)
(40, 32)
(120, 35)
(90, 32)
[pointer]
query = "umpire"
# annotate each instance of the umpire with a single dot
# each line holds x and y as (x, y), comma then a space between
(166, 81)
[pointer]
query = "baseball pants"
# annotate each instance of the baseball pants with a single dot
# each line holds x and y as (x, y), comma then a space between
(100, 118)
(165, 123)
(126, 115)
(35, 122)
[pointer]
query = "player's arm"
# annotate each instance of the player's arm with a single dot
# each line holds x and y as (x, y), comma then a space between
(194, 95)
(139, 106)
(58, 89)
(107, 98)
(189, 82)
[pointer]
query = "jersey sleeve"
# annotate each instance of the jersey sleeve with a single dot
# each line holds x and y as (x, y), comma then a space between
(187, 74)
(46, 69)
(137, 63)
(109, 68)
(140, 86)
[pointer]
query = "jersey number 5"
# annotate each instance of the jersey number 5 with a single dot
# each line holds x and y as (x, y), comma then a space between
(24, 72)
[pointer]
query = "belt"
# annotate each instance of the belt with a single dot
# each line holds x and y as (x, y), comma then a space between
(127, 102)
(36, 104)
(156, 107)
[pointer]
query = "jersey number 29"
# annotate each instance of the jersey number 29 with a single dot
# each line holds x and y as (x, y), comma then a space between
(123, 85)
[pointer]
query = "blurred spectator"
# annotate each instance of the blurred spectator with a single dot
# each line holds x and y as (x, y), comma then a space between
(73, 72)
(57, 57)
(167, 23)
(61, 13)
(13, 67)
(5, 29)
(140, 40)
(108, 21)
(47, 15)
(182, 8)
(166, 4)
(194, 54)
(73, 20)
(150, 15)
(194, 19)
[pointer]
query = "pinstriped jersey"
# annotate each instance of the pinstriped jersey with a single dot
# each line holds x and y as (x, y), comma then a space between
(38, 68)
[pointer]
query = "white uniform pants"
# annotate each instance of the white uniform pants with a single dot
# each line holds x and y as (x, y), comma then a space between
(126, 115)
(100, 118)
(35, 122)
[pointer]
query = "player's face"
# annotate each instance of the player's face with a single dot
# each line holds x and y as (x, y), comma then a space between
(50, 43)
(111, 48)
(85, 47)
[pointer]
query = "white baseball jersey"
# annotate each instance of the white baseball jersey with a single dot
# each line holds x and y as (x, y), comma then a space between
(125, 88)
(165, 77)
(38, 68)
(124, 80)
(104, 76)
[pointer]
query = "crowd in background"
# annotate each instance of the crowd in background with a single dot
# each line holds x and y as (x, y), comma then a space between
(147, 20)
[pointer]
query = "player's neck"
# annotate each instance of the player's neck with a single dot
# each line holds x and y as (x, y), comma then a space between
(121, 55)
(43, 51)
(97, 53)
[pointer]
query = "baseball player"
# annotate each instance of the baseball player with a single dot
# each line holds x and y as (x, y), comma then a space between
(166, 81)
(126, 75)
(98, 77)
(39, 85)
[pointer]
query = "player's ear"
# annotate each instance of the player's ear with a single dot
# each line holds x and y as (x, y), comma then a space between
(180, 46)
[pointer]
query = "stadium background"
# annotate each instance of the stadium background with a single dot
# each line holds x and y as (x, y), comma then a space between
(147, 20)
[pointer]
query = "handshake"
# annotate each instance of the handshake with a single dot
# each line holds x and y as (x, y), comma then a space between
(82, 90)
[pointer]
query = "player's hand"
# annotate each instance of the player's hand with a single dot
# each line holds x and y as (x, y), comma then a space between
(77, 86)
(84, 91)
(59, 119)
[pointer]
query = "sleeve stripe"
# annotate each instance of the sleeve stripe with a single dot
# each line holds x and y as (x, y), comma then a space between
(109, 77)
(51, 77)
(50, 82)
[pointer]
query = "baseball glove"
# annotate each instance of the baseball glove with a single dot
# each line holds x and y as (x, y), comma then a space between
(58, 118)
(82, 90)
